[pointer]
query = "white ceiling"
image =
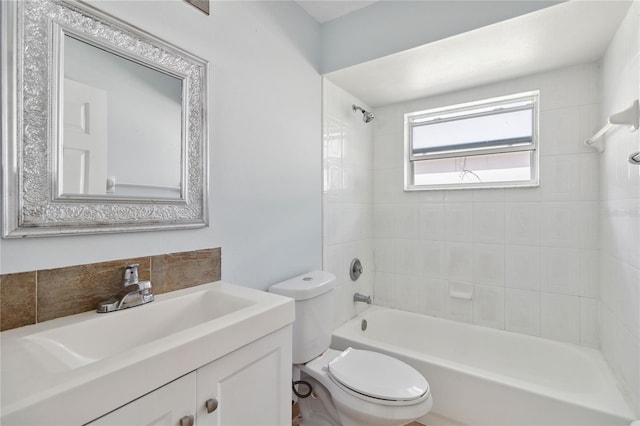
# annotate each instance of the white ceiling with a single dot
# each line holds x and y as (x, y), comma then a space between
(326, 10)
(569, 33)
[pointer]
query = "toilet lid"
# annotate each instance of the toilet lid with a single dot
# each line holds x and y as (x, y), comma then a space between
(378, 375)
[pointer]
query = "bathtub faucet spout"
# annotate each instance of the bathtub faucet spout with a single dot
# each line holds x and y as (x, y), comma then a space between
(357, 297)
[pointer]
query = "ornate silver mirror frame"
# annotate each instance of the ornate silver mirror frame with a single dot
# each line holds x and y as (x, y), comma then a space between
(30, 37)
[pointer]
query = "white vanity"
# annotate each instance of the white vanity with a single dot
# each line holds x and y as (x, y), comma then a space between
(215, 354)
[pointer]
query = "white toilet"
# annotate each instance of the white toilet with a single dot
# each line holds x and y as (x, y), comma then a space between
(352, 387)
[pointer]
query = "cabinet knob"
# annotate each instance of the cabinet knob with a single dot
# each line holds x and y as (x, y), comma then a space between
(186, 421)
(211, 405)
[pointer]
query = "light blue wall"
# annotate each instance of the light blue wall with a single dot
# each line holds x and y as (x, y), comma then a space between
(265, 153)
(389, 27)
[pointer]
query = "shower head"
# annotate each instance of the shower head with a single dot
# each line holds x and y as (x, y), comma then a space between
(367, 116)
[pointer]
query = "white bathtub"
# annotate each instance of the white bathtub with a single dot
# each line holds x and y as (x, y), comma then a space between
(483, 376)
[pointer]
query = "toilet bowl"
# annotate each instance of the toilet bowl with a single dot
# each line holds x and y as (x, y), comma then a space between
(357, 388)
(351, 387)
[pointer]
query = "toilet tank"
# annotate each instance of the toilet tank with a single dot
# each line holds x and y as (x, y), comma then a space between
(313, 293)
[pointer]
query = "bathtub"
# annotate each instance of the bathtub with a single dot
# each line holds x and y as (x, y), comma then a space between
(484, 376)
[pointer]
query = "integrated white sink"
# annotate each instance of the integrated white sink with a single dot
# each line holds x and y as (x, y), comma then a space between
(112, 358)
(104, 335)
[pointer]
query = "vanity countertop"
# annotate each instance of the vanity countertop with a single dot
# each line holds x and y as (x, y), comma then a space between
(73, 369)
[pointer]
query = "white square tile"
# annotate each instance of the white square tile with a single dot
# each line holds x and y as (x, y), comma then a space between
(458, 222)
(410, 294)
(408, 258)
(384, 254)
(433, 259)
(522, 195)
(590, 78)
(333, 182)
(357, 145)
(357, 185)
(589, 322)
(559, 177)
(629, 366)
(406, 222)
(522, 224)
(432, 222)
(630, 306)
(331, 262)
(589, 176)
(383, 186)
(560, 317)
(488, 264)
(405, 197)
(488, 222)
(559, 226)
(332, 224)
(607, 335)
(332, 142)
(459, 309)
(384, 289)
(522, 311)
(356, 222)
(560, 89)
(589, 273)
(560, 270)
(458, 196)
(431, 197)
(589, 225)
(488, 306)
(522, 267)
(384, 221)
(395, 186)
(387, 151)
(434, 289)
(459, 261)
(486, 195)
(559, 131)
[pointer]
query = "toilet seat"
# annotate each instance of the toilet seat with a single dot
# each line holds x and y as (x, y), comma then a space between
(375, 375)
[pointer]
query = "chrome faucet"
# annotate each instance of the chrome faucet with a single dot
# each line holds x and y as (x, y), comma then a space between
(133, 293)
(357, 297)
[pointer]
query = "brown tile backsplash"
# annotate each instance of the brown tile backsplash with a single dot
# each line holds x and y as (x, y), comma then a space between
(31, 297)
(75, 289)
(17, 300)
(169, 271)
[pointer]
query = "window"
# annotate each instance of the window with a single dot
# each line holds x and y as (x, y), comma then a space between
(490, 143)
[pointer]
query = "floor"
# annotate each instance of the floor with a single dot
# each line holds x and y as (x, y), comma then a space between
(295, 417)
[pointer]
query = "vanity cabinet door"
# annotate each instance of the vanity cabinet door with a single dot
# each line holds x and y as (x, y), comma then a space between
(170, 405)
(250, 386)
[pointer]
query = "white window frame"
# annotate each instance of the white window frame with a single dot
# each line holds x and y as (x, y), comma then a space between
(493, 106)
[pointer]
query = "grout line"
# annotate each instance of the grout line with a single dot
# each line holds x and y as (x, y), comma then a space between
(35, 302)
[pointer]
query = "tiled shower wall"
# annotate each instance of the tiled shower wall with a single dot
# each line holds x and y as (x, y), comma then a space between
(31, 297)
(527, 257)
(620, 213)
(347, 197)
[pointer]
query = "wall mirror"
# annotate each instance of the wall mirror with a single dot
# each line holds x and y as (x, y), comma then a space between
(104, 125)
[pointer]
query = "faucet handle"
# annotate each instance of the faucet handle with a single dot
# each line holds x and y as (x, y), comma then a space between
(131, 274)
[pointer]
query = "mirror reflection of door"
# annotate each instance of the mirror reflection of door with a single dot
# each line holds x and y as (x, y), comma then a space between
(144, 122)
(84, 150)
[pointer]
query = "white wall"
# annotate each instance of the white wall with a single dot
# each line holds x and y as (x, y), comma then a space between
(389, 27)
(528, 255)
(347, 197)
(620, 213)
(265, 152)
